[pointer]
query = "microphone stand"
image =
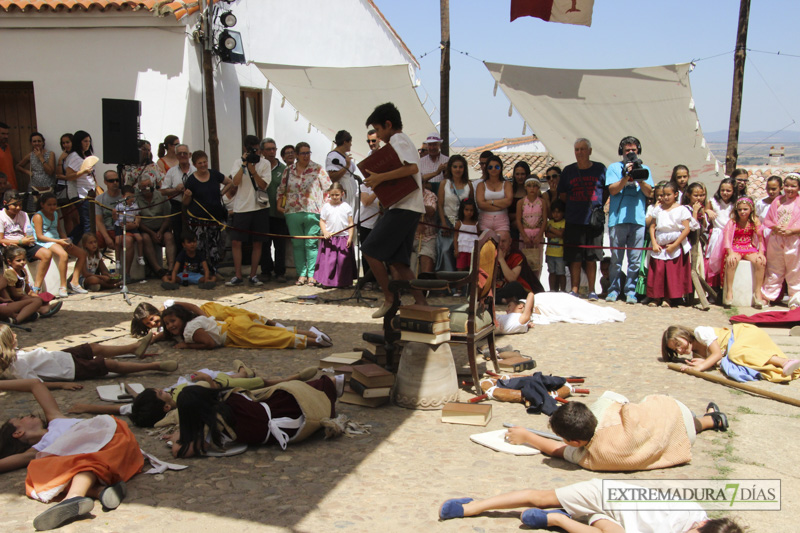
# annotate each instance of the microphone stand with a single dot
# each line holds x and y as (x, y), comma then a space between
(124, 289)
(360, 281)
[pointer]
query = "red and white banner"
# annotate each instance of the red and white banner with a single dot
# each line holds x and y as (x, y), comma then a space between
(563, 11)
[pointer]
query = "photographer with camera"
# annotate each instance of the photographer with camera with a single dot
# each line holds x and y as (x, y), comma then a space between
(630, 185)
(250, 208)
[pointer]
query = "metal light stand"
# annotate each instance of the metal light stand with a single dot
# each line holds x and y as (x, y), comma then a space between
(357, 292)
(124, 290)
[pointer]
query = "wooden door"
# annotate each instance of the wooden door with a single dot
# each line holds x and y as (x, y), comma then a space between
(18, 110)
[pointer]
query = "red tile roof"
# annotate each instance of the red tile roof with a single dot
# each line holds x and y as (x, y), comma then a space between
(178, 8)
(506, 142)
(538, 161)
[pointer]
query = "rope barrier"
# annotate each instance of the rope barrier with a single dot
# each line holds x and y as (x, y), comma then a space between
(214, 222)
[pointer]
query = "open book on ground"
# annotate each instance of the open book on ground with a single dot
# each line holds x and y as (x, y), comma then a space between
(496, 440)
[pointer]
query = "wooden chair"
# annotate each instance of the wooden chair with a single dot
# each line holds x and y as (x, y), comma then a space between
(470, 322)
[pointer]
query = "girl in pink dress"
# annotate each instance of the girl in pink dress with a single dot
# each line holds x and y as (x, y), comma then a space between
(718, 213)
(743, 239)
(783, 245)
(531, 219)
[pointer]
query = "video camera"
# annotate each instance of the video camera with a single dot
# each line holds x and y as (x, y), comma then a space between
(252, 156)
(637, 171)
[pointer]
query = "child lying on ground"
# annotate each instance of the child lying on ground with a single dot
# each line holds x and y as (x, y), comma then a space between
(76, 363)
(86, 468)
(518, 316)
(744, 352)
(585, 501)
(617, 436)
(152, 405)
(198, 332)
(288, 412)
(550, 307)
(147, 317)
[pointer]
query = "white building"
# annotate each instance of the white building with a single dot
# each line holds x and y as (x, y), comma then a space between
(62, 57)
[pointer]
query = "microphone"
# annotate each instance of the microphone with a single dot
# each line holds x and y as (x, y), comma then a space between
(336, 161)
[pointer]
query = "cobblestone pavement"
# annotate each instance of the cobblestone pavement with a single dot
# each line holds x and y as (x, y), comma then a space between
(395, 478)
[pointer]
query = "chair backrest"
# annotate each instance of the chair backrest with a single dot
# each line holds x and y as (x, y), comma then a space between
(484, 266)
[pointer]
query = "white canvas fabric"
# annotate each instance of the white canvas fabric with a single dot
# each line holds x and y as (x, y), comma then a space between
(334, 99)
(654, 104)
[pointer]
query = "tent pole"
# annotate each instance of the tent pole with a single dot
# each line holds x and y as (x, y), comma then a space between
(444, 85)
(738, 84)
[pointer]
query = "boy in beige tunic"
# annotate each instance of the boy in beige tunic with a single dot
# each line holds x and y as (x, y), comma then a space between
(615, 435)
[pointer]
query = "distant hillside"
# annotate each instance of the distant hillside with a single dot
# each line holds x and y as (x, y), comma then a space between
(755, 136)
(745, 137)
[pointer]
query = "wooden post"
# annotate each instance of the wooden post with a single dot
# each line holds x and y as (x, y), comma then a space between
(735, 384)
(444, 84)
(211, 109)
(738, 84)
(208, 82)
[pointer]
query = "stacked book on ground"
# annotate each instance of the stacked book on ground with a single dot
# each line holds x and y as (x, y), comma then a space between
(370, 385)
(341, 363)
(423, 323)
(375, 352)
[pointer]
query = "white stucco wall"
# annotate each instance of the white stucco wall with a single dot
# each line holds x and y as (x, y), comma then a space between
(151, 59)
(126, 62)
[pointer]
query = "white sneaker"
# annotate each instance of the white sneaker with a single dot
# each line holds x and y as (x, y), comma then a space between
(62, 292)
(77, 289)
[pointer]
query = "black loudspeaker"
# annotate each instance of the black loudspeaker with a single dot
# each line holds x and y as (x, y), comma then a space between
(121, 131)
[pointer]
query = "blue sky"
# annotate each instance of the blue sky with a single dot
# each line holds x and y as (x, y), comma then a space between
(622, 35)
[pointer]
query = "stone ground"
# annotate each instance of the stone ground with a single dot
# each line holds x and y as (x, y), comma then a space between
(395, 478)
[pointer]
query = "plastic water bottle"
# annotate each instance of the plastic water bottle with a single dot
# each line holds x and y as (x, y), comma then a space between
(185, 277)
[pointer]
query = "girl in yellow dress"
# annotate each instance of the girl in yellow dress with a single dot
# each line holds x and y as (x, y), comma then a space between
(201, 332)
(750, 347)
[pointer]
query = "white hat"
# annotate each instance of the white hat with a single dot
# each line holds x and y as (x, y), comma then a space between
(433, 138)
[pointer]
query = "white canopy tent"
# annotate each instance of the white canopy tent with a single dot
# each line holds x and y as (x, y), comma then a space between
(653, 104)
(334, 98)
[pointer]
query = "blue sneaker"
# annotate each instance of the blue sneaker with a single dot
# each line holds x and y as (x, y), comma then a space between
(631, 299)
(537, 518)
(453, 508)
(592, 297)
(575, 294)
(612, 297)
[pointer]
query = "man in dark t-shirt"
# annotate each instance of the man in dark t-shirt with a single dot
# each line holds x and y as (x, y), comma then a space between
(582, 189)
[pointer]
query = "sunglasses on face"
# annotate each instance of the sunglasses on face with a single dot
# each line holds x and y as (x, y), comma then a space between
(490, 167)
(113, 181)
(372, 141)
(553, 176)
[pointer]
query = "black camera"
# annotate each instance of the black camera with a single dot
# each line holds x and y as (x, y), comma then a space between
(252, 156)
(637, 171)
